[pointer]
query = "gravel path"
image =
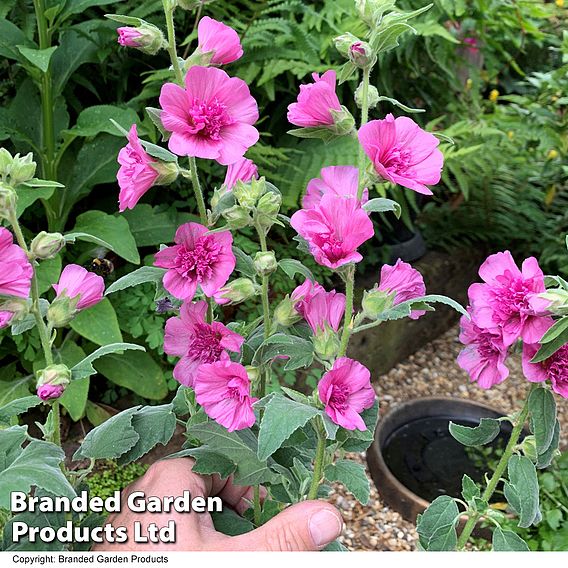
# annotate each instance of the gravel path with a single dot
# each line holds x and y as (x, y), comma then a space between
(432, 371)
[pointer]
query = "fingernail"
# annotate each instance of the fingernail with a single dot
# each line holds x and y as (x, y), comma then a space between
(324, 527)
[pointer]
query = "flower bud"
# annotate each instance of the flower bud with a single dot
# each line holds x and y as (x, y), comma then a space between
(248, 193)
(344, 42)
(8, 199)
(237, 217)
(285, 313)
(167, 172)
(375, 302)
(344, 123)
(253, 374)
(52, 381)
(62, 310)
(265, 263)
(236, 291)
(558, 299)
(23, 169)
(372, 96)
(47, 245)
(326, 343)
(18, 307)
(528, 445)
(5, 162)
(362, 55)
(267, 209)
(370, 11)
(146, 37)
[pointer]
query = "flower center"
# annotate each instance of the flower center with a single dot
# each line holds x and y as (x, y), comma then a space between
(207, 119)
(398, 160)
(331, 245)
(205, 344)
(511, 297)
(238, 389)
(339, 397)
(197, 263)
(557, 366)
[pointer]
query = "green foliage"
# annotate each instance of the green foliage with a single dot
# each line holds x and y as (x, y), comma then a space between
(111, 477)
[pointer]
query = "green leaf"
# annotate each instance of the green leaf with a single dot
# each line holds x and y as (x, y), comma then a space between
(292, 267)
(402, 106)
(85, 368)
(37, 465)
(15, 387)
(442, 512)
(135, 370)
(75, 49)
(139, 276)
(522, 491)
(470, 490)
(17, 407)
(357, 440)
(542, 409)
(96, 414)
(281, 418)
(300, 352)
(245, 264)
(96, 119)
(250, 470)
(10, 37)
(40, 58)
(380, 205)
(155, 425)
(79, 6)
(111, 439)
(555, 331)
(230, 523)
(98, 324)
(208, 462)
(113, 230)
(29, 195)
(545, 459)
(47, 273)
(353, 476)
(508, 541)
(444, 539)
(74, 399)
(486, 432)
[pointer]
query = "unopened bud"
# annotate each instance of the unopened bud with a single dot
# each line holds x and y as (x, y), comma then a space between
(237, 217)
(362, 55)
(248, 193)
(326, 343)
(62, 310)
(558, 299)
(52, 381)
(344, 42)
(267, 209)
(265, 263)
(372, 96)
(5, 163)
(167, 172)
(375, 302)
(146, 37)
(23, 169)
(285, 313)
(253, 373)
(47, 245)
(344, 123)
(236, 291)
(8, 199)
(18, 307)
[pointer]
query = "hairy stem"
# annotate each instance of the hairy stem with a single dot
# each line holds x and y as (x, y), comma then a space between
(499, 471)
(347, 321)
(172, 49)
(265, 374)
(197, 191)
(318, 464)
(364, 120)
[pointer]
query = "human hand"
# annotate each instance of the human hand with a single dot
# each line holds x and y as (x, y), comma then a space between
(306, 526)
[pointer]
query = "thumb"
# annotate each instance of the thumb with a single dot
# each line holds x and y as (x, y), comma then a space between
(306, 526)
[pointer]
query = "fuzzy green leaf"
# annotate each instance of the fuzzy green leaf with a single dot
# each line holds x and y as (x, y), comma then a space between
(486, 432)
(353, 476)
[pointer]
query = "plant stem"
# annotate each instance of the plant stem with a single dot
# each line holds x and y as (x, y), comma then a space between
(318, 464)
(172, 50)
(197, 191)
(364, 120)
(347, 321)
(499, 471)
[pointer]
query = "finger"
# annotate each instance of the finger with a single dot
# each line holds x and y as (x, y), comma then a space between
(306, 526)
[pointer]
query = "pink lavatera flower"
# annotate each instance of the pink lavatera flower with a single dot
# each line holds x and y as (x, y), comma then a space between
(223, 390)
(48, 392)
(315, 102)
(346, 391)
(554, 369)
(405, 282)
(75, 281)
(342, 181)
(302, 295)
(190, 337)
(15, 269)
(220, 40)
(509, 301)
(211, 118)
(128, 36)
(334, 229)
(136, 174)
(403, 153)
(324, 310)
(242, 170)
(197, 259)
(484, 354)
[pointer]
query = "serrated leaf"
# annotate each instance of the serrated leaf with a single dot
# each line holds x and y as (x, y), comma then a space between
(139, 276)
(522, 490)
(300, 352)
(245, 264)
(17, 407)
(292, 267)
(486, 432)
(545, 459)
(281, 418)
(470, 490)
(208, 462)
(442, 512)
(508, 541)
(542, 410)
(85, 367)
(230, 523)
(111, 439)
(444, 539)
(353, 476)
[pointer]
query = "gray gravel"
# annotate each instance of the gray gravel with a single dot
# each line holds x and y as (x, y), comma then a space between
(431, 371)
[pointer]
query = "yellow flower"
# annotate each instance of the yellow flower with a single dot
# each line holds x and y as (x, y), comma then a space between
(560, 3)
(510, 134)
(552, 154)
(494, 95)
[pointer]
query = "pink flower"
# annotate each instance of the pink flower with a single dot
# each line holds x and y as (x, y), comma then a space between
(346, 391)
(402, 152)
(334, 229)
(5, 318)
(342, 181)
(127, 37)
(135, 175)
(484, 354)
(211, 118)
(406, 283)
(508, 301)
(324, 310)
(196, 259)
(223, 390)
(315, 102)
(555, 368)
(47, 391)
(76, 281)
(302, 295)
(220, 39)
(197, 342)
(15, 269)
(242, 170)
(472, 45)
